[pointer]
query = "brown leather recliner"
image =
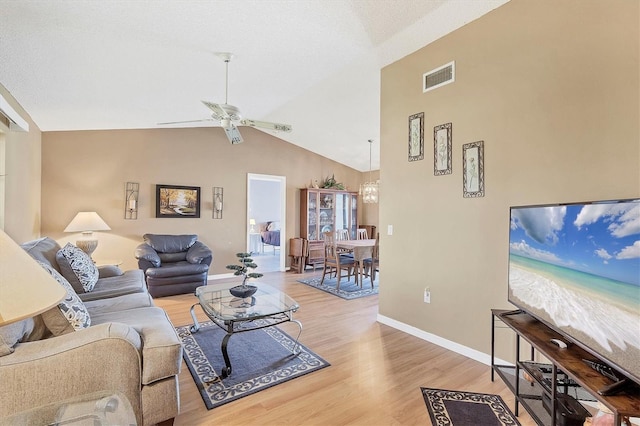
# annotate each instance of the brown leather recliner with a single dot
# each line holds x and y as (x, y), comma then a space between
(173, 264)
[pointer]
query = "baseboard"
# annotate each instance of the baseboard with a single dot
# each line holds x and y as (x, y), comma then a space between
(437, 340)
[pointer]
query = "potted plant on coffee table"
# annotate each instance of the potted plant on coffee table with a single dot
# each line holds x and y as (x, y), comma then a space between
(246, 263)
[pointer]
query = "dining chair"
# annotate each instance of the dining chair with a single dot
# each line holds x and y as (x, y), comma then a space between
(332, 238)
(334, 263)
(371, 230)
(362, 255)
(362, 234)
(372, 265)
(342, 234)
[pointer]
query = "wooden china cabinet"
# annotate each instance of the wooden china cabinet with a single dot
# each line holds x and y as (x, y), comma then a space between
(325, 210)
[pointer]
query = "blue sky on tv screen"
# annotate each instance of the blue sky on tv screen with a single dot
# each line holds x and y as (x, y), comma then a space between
(600, 238)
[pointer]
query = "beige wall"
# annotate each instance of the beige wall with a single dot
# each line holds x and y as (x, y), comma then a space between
(87, 170)
(552, 88)
(22, 180)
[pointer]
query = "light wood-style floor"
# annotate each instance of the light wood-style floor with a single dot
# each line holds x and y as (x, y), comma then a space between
(375, 375)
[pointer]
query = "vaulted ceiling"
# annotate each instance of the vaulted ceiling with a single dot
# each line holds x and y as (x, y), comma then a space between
(130, 64)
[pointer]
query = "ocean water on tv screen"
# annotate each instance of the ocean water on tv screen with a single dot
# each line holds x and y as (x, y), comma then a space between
(577, 267)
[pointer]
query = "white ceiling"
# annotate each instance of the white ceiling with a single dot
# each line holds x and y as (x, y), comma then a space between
(130, 64)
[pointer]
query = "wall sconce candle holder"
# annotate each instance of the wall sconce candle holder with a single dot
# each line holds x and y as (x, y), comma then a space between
(218, 202)
(131, 191)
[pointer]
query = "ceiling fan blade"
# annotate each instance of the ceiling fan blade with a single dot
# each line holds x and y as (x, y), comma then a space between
(218, 112)
(188, 121)
(232, 132)
(266, 125)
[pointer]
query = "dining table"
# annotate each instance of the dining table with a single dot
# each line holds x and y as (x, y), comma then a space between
(361, 249)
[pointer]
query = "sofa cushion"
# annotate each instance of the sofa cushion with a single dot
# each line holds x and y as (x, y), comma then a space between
(145, 253)
(12, 334)
(170, 243)
(108, 271)
(161, 347)
(172, 257)
(177, 269)
(199, 253)
(129, 282)
(43, 249)
(118, 303)
(28, 330)
(78, 268)
(70, 314)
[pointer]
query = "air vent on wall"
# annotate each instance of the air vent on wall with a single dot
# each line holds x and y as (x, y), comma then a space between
(439, 77)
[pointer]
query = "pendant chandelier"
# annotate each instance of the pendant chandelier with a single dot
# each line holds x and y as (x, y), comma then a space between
(369, 190)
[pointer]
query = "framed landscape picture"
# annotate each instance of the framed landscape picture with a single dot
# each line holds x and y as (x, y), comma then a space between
(416, 137)
(177, 201)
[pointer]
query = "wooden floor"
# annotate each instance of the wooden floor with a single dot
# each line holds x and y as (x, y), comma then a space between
(375, 375)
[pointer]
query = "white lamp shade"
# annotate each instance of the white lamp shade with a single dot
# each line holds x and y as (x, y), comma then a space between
(87, 221)
(26, 289)
(252, 221)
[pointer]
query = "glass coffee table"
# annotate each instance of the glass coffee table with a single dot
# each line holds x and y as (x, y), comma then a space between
(105, 408)
(265, 308)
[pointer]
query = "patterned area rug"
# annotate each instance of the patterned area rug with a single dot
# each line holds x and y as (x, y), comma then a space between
(452, 408)
(348, 289)
(260, 359)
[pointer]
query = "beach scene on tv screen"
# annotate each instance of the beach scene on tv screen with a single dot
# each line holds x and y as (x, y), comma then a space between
(577, 267)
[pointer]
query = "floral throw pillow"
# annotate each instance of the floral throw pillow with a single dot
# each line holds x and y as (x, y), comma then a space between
(78, 268)
(70, 314)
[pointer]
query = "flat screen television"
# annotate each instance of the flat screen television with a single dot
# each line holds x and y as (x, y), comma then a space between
(576, 267)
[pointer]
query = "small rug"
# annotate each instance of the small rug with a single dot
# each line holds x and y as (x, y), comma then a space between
(348, 289)
(260, 359)
(452, 408)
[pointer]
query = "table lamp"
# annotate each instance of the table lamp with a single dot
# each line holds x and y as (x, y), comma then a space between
(87, 222)
(252, 222)
(26, 289)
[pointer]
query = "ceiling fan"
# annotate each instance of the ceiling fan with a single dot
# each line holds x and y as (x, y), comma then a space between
(229, 116)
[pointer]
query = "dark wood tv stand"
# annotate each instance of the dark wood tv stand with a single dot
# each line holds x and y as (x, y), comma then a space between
(565, 363)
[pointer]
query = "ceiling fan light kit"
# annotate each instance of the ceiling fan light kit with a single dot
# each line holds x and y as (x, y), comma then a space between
(230, 116)
(232, 133)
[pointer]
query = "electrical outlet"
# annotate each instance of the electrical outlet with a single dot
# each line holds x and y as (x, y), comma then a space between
(427, 295)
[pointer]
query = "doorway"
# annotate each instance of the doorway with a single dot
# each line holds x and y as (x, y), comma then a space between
(266, 220)
(3, 174)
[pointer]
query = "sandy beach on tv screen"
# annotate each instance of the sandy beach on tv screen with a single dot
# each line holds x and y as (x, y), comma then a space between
(596, 321)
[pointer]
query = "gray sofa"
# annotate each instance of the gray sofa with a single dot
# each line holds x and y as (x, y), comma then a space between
(130, 347)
